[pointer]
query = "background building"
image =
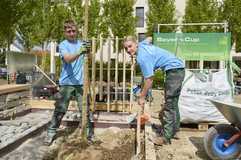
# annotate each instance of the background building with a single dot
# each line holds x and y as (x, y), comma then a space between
(141, 9)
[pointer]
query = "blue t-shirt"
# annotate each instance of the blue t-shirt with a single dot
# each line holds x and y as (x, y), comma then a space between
(151, 58)
(71, 73)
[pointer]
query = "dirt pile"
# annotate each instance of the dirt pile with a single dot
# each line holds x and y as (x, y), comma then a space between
(113, 143)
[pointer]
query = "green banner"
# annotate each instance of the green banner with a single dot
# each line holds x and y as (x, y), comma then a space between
(196, 46)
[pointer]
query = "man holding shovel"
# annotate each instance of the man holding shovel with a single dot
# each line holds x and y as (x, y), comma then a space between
(151, 58)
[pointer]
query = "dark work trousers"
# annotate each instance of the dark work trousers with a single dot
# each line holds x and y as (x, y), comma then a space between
(172, 89)
(62, 100)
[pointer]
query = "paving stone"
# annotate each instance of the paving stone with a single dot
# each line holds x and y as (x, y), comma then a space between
(12, 130)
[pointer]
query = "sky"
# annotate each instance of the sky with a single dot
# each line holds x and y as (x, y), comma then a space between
(180, 5)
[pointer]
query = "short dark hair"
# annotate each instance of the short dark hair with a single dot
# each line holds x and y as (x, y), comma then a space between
(69, 24)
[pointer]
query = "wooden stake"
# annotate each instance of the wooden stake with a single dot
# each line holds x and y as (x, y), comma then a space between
(116, 68)
(101, 69)
(86, 77)
(93, 74)
(108, 76)
(124, 77)
(132, 79)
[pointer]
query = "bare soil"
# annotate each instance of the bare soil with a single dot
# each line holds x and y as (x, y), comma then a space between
(189, 147)
(119, 144)
(190, 144)
(111, 144)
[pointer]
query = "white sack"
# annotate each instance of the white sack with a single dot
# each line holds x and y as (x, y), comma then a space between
(197, 89)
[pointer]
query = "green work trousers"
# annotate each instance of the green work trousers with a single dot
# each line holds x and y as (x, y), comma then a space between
(172, 89)
(62, 100)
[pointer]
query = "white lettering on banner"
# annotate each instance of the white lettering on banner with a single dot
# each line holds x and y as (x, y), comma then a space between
(185, 39)
(160, 39)
(189, 39)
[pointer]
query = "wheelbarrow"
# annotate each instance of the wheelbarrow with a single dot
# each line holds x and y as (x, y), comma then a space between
(223, 141)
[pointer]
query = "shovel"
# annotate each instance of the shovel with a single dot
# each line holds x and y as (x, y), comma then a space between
(143, 116)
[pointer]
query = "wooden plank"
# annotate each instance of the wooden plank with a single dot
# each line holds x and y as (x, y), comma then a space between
(150, 152)
(138, 133)
(10, 88)
(49, 105)
(203, 127)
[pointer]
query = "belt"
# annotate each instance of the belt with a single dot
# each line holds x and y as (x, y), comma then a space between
(174, 70)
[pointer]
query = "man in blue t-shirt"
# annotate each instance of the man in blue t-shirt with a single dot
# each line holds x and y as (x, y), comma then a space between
(150, 58)
(71, 77)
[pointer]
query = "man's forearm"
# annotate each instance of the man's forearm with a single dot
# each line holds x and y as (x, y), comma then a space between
(147, 86)
(68, 58)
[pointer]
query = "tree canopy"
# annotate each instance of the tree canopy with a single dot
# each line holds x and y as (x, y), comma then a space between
(118, 15)
(160, 12)
(204, 11)
(10, 12)
(231, 14)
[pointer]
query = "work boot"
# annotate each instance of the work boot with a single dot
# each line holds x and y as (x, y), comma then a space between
(159, 140)
(49, 139)
(157, 128)
(177, 136)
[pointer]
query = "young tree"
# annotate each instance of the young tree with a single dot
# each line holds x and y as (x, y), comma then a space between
(118, 15)
(57, 14)
(96, 25)
(28, 25)
(42, 21)
(9, 14)
(160, 12)
(231, 14)
(204, 11)
(77, 11)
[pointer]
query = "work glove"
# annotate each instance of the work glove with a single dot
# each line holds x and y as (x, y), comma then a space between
(84, 49)
(81, 50)
(87, 44)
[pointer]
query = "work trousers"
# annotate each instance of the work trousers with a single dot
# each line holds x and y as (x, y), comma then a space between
(170, 114)
(62, 100)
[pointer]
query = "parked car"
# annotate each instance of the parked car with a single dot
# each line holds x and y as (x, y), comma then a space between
(3, 73)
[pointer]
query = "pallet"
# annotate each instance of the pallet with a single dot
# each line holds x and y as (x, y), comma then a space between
(203, 126)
